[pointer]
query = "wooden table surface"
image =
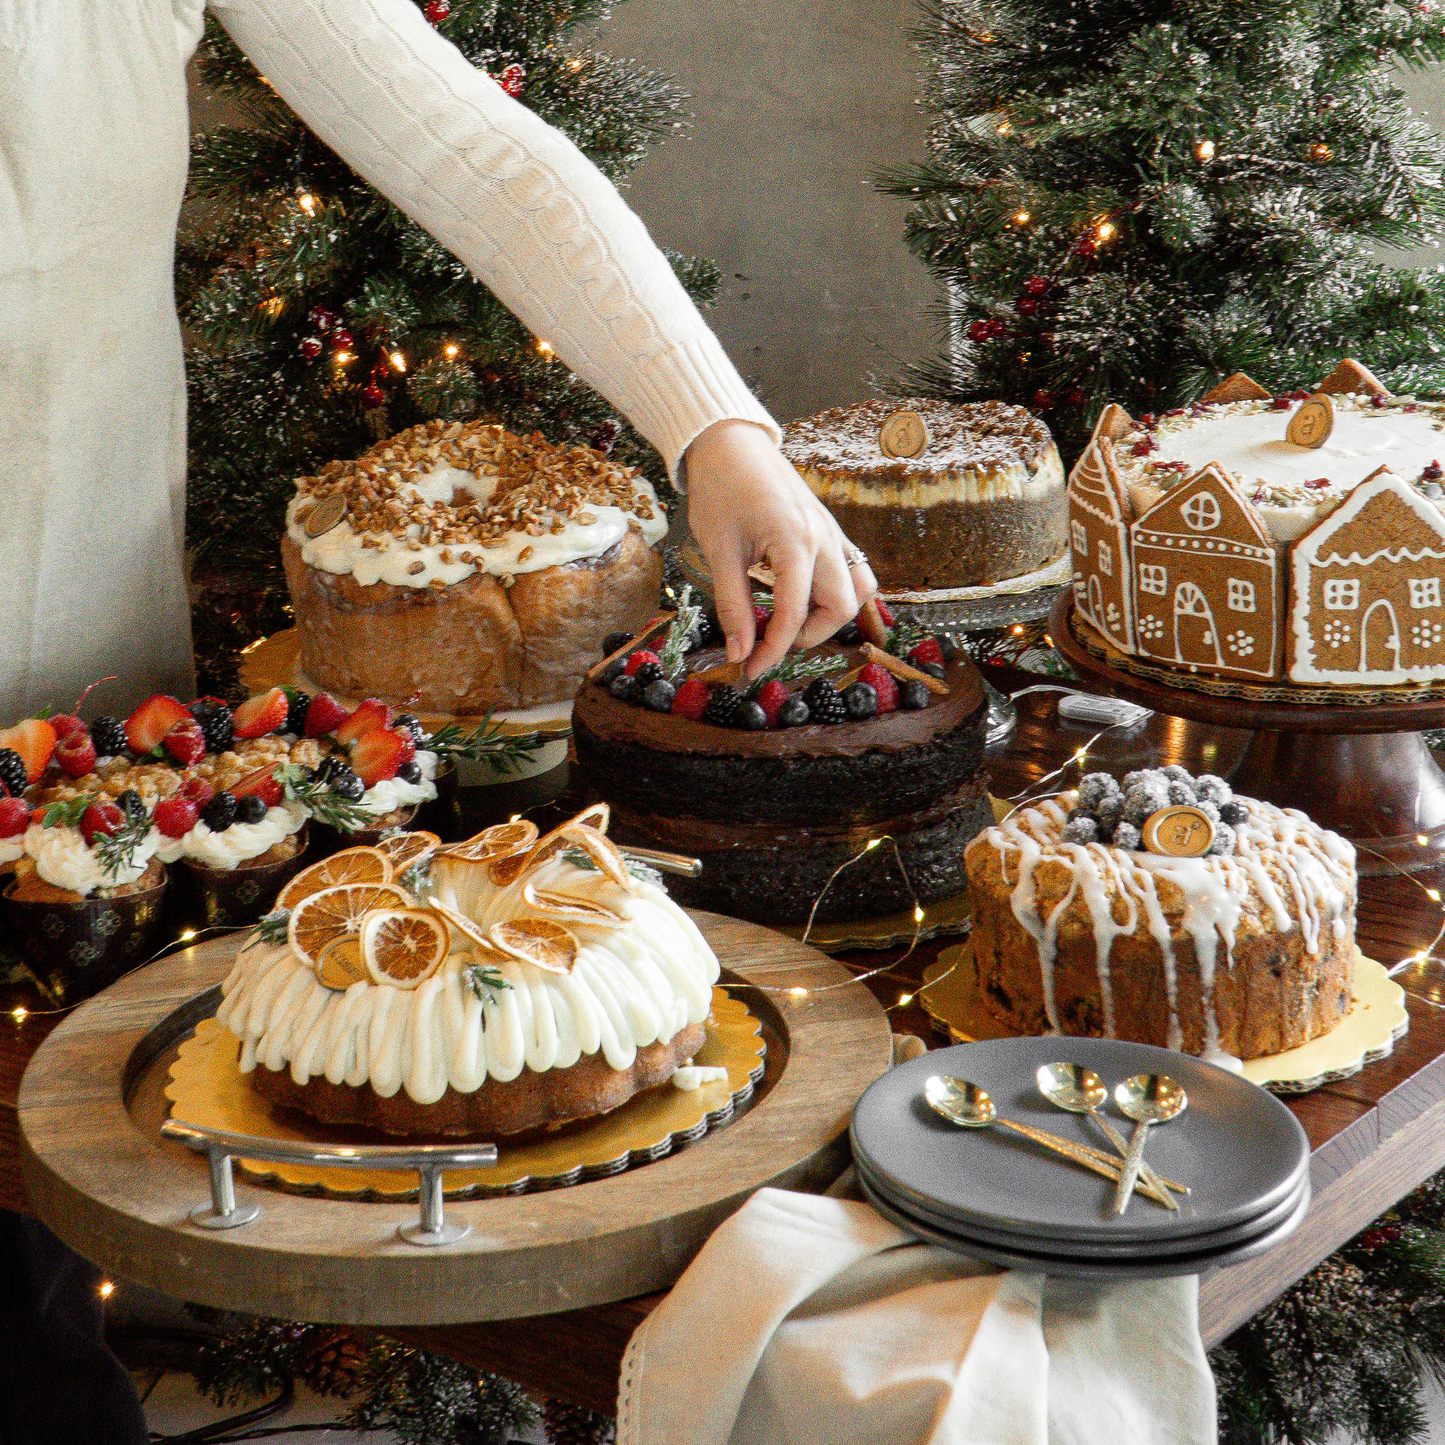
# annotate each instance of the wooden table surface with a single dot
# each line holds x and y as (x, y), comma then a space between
(1374, 1136)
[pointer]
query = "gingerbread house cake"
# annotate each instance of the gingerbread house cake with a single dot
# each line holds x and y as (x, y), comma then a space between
(1201, 543)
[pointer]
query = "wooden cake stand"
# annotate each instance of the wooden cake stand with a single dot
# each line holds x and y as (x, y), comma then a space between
(103, 1176)
(1361, 769)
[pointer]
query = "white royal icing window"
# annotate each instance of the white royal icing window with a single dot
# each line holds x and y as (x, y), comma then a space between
(1106, 559)
(1424, 592)
(1341, 594)
(1153, 579)
(1202, 512)
(1241, 595)
(1081, 539)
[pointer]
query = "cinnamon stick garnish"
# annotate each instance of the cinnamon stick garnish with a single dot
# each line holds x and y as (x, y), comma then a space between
(905, 670)
(658, 622)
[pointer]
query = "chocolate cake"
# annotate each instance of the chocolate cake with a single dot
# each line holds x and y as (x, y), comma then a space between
(985, 500)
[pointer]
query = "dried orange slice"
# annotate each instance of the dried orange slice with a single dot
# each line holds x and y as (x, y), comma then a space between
(408, 849)
(499, 841)
(351, 865)
(467, 927)
(337, 912)
(602, 851)
(595, 815)
(403, 946)
(553, 903)
(340, 963)
(536, 940)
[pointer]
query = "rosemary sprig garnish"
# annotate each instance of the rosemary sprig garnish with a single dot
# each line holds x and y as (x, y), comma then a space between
(681, 630)
(320, 800)
(904, 636)
(117, 850)
(502, 752)
(271, 929)
(485, 980)
(798, 667)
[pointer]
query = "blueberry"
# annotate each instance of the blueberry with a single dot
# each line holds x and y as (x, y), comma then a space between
(861, 700)
(409, 771)
(658, 694)
(612, 671)
(625, 689)
(848, 635)
(345, 784)
(220, 812)
(750, 717)
(947, 645)
(613, 641)
(913, 695)
(251, 809)
(933, 669)
(793, 713)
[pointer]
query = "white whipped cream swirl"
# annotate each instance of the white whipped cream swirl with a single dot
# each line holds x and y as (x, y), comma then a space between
(241, 841)
(65, 860)
(393, 793)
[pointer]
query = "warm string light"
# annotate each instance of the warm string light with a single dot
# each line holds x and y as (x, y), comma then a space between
(307, 202)
(20, 1014)
(343, 358)
(1004, 128)
(1022, 218)
(1106, 231)
(1205, 150)
(397, 360)
(106, 1289)
(450, 350)
(544, 349)
(273, 306)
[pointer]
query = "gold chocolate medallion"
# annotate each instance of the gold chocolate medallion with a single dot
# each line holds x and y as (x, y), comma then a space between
(1312, 424)
(1178, 832)
(904, 434)
(325, 515)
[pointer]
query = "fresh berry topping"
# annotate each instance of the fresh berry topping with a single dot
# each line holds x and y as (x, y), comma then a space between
(658, 694)
(926, 651)
(860, 700)
(947, 645)
(13, 776)
(265, 713)
(300, 704)
(933, 669)
(749, 717)
(108, 735)
(14, 817)
(260, 784)
(639, 659)
(761, 615)
(884, 611)
(220, 812)
(690, 700)
(612, 672)
(101, 819)
(197, 791)
(75, 753)
(883, 683)
(131, 804)
(625, 689)
(380, 753)
(409, 722)
(793, 713)
(372, 714)
(34, 740)
(250, 809)
(176, 816)
(771, 697)
(214, 718)
(409, 771)
(185, 742)
(913, 695)
(848, 635)
(649, 673)
(826, 703)
(324, 715)
(66, 723)
(613, 641)
(151, 721)
(345, 784)
(721, 706)
(712, 630)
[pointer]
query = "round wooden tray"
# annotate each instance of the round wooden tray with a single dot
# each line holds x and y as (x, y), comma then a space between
(102, 1177)
(1360, 769)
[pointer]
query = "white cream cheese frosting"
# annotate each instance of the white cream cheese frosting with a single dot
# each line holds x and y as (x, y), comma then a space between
(65, 860)
(12, 848)
(635, 982)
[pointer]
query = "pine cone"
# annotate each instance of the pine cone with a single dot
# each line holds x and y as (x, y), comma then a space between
(336, 1364)
(576, 1425)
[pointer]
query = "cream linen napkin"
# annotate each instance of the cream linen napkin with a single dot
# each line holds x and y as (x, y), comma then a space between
(813, 1321)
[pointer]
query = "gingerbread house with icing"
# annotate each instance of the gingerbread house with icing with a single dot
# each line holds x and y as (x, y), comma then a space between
(1367, 590)
(1099, 517)
(1207, 581)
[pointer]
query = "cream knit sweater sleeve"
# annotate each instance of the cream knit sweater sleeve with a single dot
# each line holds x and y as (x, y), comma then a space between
(513, 198)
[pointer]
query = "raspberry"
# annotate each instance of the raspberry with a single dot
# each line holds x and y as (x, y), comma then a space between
(14, 817)
(100, 819)
(761, 615)
(197, 791)
(691, 699)
(75, 752)
(884, 611)
(883, 683)
(926, 651)
(175, 817)
(771, 697)
(638, 658)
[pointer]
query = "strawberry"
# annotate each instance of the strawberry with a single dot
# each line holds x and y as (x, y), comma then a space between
(883, 683)
(75, 753)
(100, 819)
(34, 740)
(151, 721)
(263, 784)
(175, 817)
(771, 697)
(690, 700)
(14, 817)
(324, 715)
(380, 753)
(197, 791)
(926, 651)
(261, 714)
(66, 723)
(638, 658)
(372, 714)
(884, 611)
(185, 742)
(761, 616)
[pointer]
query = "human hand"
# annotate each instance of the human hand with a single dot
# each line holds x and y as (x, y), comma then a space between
(747, 504)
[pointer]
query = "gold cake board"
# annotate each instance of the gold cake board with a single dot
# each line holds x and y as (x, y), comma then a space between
(208, 1089)
(1377, 1017)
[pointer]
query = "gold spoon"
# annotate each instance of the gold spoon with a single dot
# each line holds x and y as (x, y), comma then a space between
(1147, 1099)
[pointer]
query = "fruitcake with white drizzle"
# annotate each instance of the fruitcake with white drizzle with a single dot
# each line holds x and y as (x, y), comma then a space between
(1244, 952)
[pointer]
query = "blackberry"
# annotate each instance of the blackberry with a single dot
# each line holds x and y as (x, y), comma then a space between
(793, 713)
(649, 673)
(848, 635)
(913, 695)
(215, 721)
(295, 723)
(1233, 812)
(658, 694)
(825, 702)
(108, 735)
(613, 641)
(251, 809)
(712, 630)
(722, 704)
(13, 772)
(328, 767)
(750, 717)
(220, 812)
(345, 784)
(132, 805)
(861, 700)
(625, 689)
(409, 771)
(409, 722)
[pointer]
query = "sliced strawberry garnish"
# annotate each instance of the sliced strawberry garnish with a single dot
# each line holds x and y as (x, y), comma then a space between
(34, 740)
(185, 742)
(884, 611)
(75, 753)
(197, 790)
(926, 651)
(100, 819)
(380, 753)
(324, 715)
(151, 721)
(14, 817)
(372, 714)
(176, 816)
(263, 784)
(771, 697)
(262, 714)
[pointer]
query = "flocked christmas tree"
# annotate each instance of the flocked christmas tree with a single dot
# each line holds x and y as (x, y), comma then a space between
(319, 317)
(1129, 199)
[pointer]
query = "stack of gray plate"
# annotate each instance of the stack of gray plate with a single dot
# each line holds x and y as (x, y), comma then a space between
(998, 1196)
